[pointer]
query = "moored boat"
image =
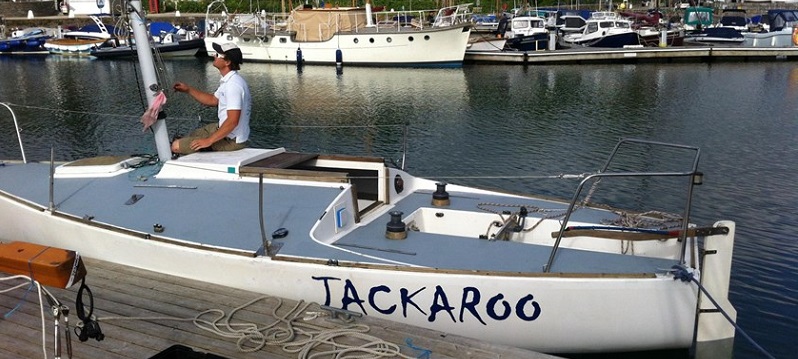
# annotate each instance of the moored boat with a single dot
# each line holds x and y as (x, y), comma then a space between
(604, 29)
(169, 41)
(178, 48)
(780, 30)
(528, 33)
(357, 234)
(701, 30)
(26, 42)
(80, 42)
(349, 35)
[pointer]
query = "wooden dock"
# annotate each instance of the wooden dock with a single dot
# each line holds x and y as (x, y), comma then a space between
(634, 55)
(132, 306)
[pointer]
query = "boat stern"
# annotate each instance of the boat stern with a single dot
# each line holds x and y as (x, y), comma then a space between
(715, 335)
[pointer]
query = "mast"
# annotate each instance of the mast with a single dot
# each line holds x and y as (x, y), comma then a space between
(148, 76)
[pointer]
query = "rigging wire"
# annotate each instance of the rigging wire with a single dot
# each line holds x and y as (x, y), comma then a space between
(681, 272)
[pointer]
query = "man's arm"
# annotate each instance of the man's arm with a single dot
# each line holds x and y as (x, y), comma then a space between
(205, 98)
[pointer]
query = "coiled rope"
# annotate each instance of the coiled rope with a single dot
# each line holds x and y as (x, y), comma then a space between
(292, 331)
(681, 272)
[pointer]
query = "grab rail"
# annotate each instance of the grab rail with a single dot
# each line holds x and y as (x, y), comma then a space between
(16, 125)
(693, 174)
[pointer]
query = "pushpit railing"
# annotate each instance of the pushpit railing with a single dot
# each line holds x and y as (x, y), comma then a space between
(693, 175)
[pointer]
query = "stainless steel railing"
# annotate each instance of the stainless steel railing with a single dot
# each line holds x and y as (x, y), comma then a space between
(692, 174)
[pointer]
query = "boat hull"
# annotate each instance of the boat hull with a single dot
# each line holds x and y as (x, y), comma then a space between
(540, 313)
(184, 48)
(537, 42)
(781, 38)
(73, 47)
(433, 47)
(545, 312)
(610, 41)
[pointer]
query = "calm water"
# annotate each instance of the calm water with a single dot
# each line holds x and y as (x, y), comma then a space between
(497, 126)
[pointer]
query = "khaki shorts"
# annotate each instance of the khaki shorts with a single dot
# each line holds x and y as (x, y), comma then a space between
(225, 144)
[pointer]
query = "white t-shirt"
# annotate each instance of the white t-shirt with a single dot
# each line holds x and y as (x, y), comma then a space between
(233, 94)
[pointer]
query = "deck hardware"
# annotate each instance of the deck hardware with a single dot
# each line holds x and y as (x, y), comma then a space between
(344, 315)
(698, 178)
(133, 199)
(172, 186)
(398, 184)
(279, 233)
(158, 228)
(67, 331)
(88, 217)
(332, 262)
(709, 310)
(710, 251)
(439, 214)
(375, 248)
(395, 229)
(440, 198)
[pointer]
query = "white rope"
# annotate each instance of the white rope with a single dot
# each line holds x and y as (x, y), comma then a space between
(29, 281)
(291, 330)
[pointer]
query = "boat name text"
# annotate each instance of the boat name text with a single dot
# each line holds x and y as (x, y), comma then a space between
(381, 300)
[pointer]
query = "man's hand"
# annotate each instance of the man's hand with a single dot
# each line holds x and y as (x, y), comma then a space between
(181, 87)
(199, 144)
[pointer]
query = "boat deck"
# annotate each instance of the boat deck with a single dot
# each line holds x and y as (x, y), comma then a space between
(126, 292)
(180, 205)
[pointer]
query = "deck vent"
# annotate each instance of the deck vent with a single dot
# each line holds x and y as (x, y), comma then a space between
(440, 198)
(396, 229)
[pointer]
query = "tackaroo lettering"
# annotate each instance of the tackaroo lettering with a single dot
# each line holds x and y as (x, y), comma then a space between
(470, 302)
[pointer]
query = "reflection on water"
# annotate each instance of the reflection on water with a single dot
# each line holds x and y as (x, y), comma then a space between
(475, 124)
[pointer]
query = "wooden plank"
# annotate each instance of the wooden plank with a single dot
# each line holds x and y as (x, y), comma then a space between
(281, 160)
(127, 301)
(302, 175)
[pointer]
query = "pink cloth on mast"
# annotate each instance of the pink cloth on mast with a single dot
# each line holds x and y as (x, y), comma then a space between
(151, 115)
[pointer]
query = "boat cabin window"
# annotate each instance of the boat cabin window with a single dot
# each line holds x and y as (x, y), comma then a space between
(591, 27)
(607, 24)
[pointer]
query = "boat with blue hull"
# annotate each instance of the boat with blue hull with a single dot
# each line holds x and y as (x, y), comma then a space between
(604, 29)
(26, 42)
(355, 233)
(528, 33)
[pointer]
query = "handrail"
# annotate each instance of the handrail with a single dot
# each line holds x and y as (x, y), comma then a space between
(16, 125)
(692, 173)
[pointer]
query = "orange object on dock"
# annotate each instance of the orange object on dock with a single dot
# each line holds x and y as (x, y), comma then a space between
(49, 266)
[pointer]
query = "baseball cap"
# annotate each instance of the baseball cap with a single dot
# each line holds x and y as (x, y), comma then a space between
(230, 51)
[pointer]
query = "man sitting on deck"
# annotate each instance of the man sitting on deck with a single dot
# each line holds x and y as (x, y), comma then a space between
(234, 107)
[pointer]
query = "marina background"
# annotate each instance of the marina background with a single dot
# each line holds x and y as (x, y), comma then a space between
(494, 126)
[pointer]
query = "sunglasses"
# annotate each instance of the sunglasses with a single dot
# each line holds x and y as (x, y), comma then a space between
(219, 56)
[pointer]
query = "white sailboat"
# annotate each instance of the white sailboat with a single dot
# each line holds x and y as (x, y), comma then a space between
(353, 233)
